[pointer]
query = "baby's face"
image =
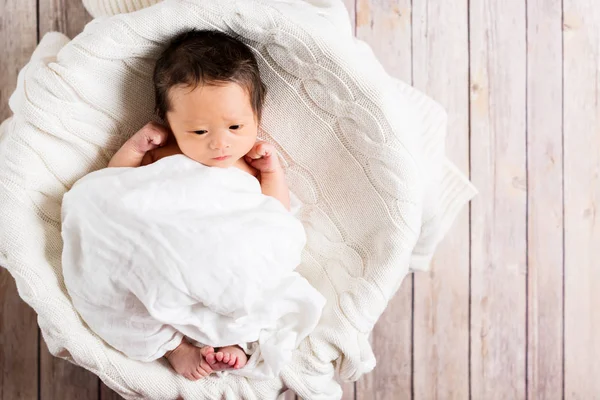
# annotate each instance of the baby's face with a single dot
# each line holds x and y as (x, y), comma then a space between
(214, 125)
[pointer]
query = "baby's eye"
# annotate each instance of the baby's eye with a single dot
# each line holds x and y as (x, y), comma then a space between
(200, 132)
(234, 127)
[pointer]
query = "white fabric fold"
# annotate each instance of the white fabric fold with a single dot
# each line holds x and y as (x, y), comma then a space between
(175, 248)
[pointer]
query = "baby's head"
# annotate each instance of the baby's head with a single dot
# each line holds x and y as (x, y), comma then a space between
(208, 90)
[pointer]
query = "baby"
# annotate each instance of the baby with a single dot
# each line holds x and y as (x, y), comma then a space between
(209, 93)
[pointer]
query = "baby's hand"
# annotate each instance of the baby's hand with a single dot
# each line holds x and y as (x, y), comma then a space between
(151, 136)
(263, 157)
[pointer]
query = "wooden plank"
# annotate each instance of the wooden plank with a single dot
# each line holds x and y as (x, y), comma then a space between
(18, 36)
(582, 198)
(498, 213)
(386, 26)
(19, 340)
(441, 306)
(66, 16)
(107, 393)
(545, 220)
(391, 341)
(60, 379)
(18, 326)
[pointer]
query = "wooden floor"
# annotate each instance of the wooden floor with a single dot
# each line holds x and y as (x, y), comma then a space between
(511, 307)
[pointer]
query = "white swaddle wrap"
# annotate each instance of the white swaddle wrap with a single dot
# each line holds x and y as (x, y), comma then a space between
(177, 248)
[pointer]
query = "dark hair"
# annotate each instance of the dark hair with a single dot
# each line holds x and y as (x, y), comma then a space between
(206, 57)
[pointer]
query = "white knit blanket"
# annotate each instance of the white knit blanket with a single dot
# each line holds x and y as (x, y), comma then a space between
(177, 248)
(362, 151)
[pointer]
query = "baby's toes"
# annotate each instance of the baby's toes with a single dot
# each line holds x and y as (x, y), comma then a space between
(210, 358)
(194, 376)
(206, 367)
(201, 372)
(206, 350)
(232, 360)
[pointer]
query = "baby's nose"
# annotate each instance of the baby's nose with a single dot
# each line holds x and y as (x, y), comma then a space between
(218, 143)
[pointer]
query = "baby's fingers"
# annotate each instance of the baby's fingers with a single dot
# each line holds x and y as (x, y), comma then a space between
(264, 164)
(254, 154)
(155, 134)
(158, 137)
(260, 150)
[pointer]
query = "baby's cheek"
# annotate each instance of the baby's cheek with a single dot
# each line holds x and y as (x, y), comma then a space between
(191, 150)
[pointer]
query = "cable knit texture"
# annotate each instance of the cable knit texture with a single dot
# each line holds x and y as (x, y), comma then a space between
(363, 152)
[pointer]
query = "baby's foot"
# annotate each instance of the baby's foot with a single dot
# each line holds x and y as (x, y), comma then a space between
(189, 361)
(227, 358)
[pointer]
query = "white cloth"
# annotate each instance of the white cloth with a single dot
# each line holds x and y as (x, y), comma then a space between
(363, 152)
(177, 248)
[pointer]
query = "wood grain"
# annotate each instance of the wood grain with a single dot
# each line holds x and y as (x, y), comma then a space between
(107, 393)
(66, 16)
(18, 38)
(582, 198)
(18, 327)
(498, 213)
(60, 379)
(386, 27)
(19, 340)
(441, 305)
(544, 191)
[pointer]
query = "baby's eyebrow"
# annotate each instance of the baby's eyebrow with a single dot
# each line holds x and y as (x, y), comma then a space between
(236, 118)
(226, 119)
(193, 121)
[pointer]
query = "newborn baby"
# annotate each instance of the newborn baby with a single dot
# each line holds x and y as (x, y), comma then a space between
(209, 93)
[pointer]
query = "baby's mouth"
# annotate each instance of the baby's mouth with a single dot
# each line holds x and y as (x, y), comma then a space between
(222, 158)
